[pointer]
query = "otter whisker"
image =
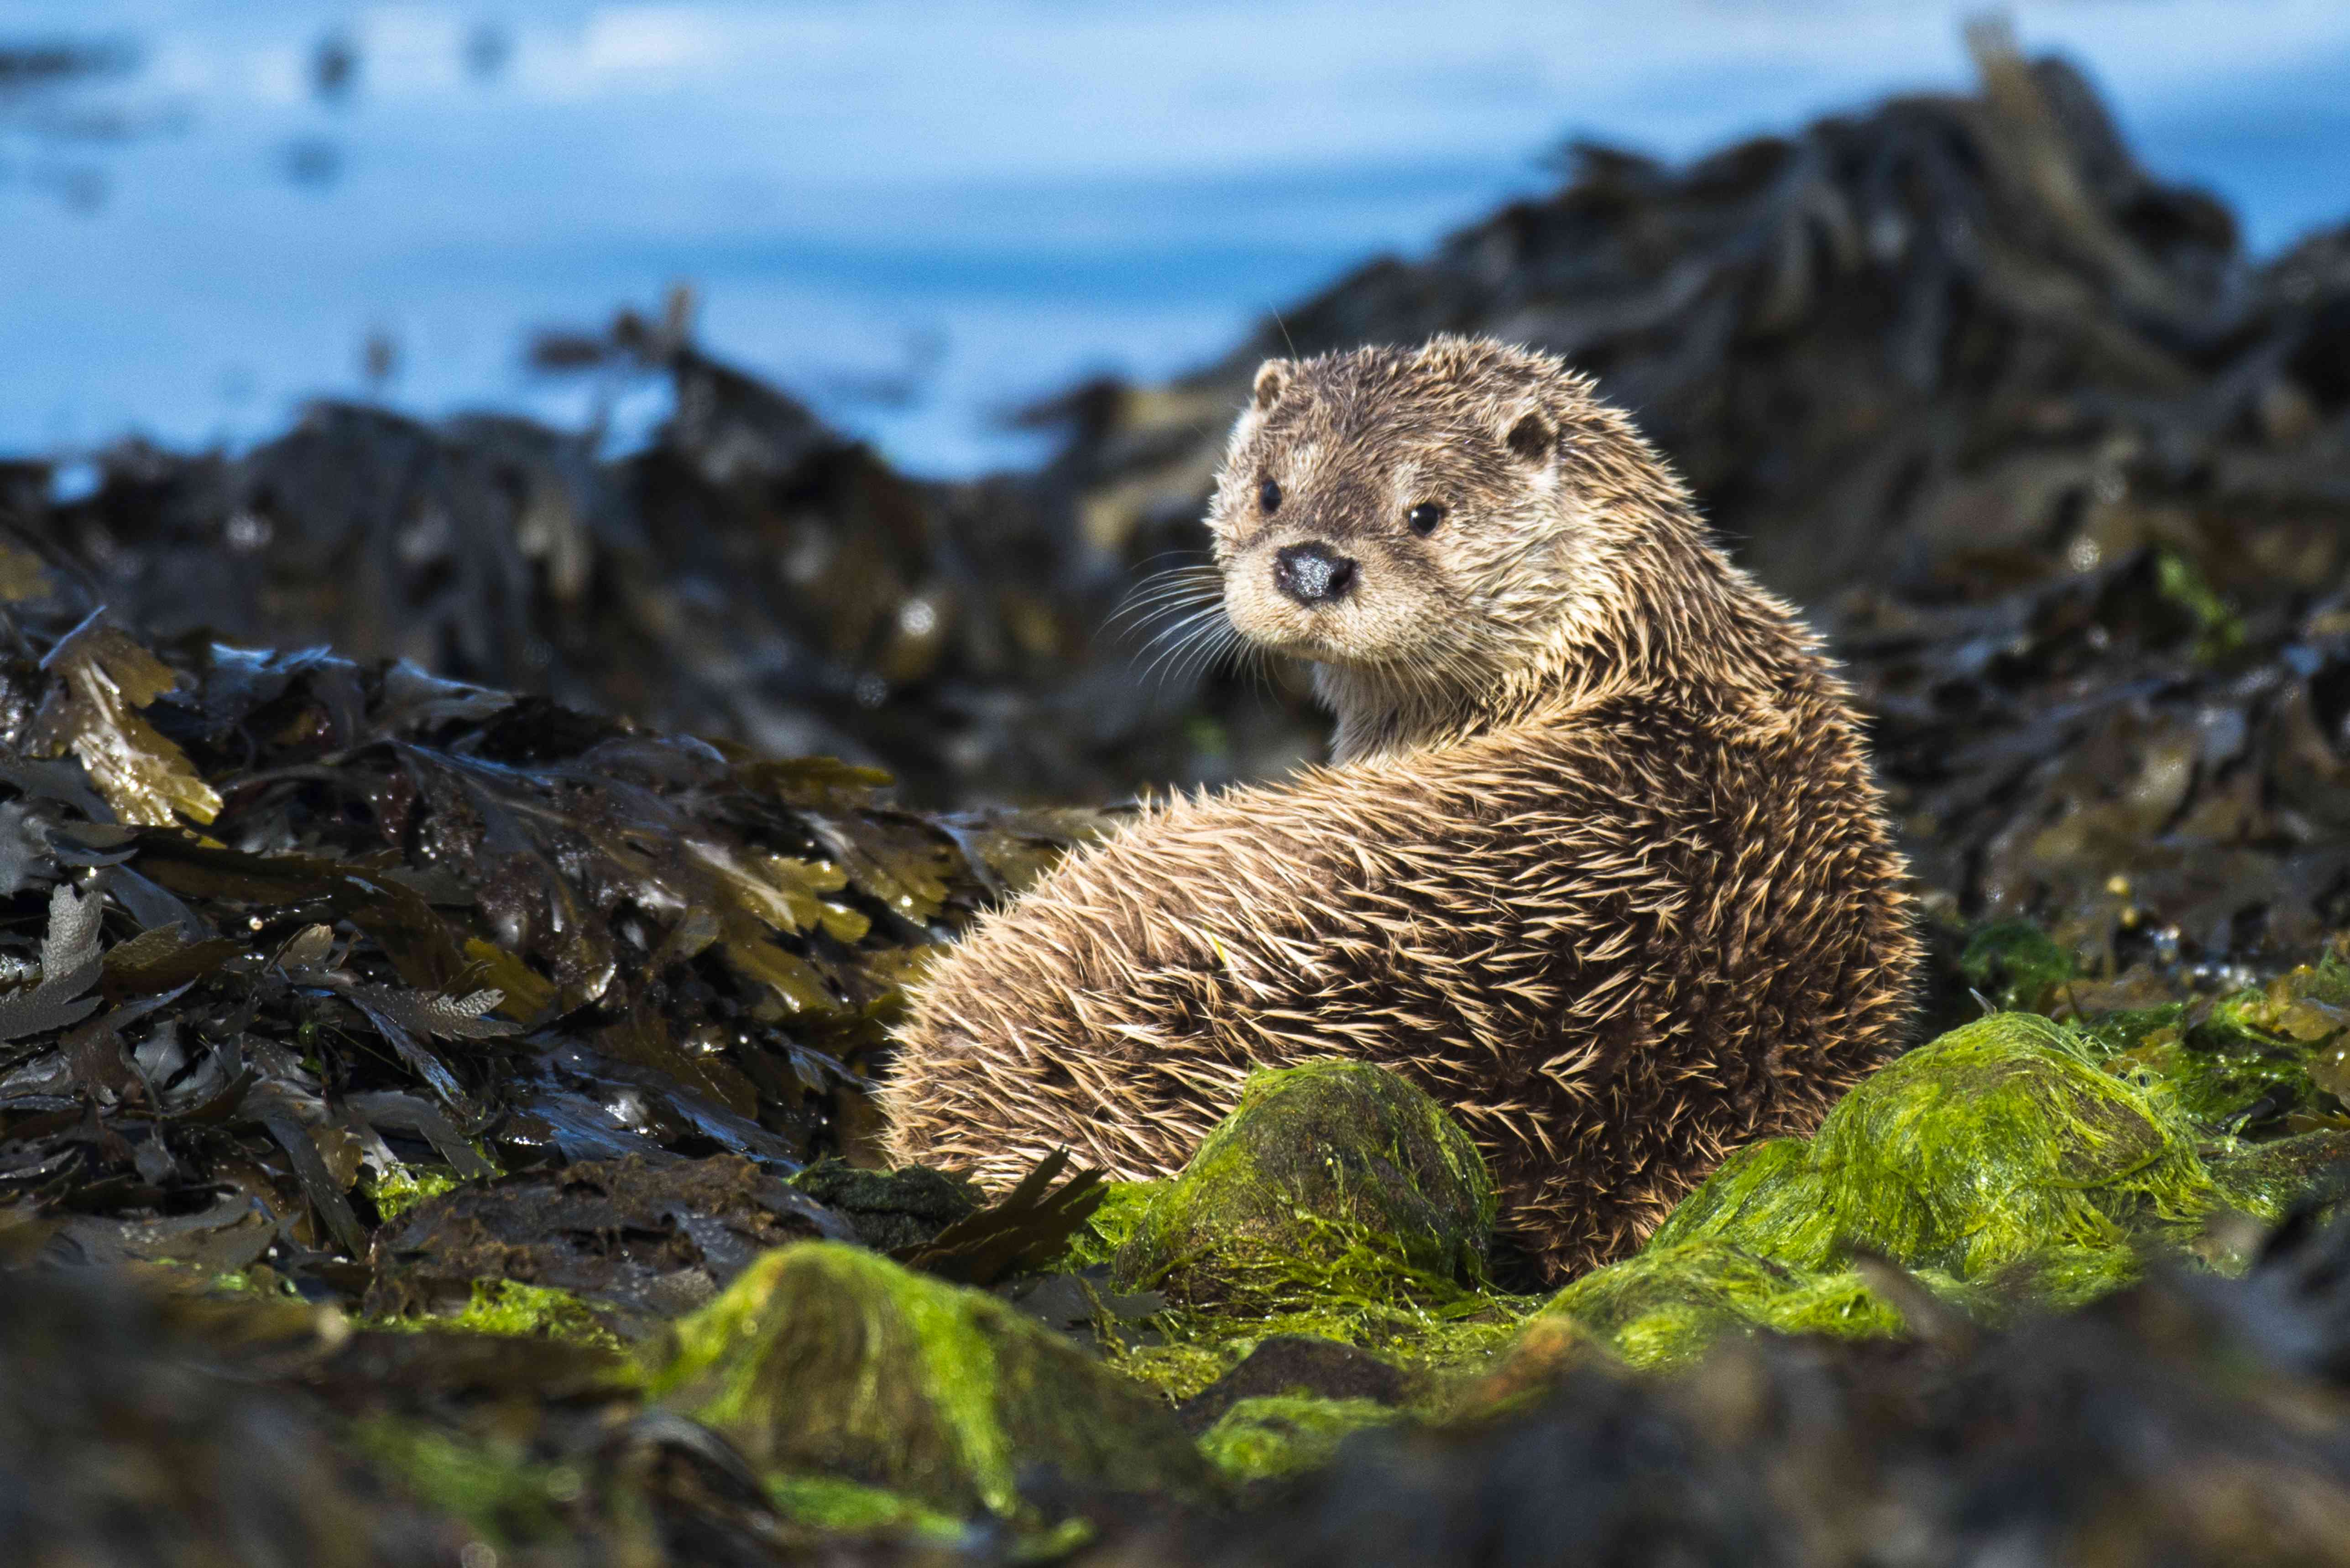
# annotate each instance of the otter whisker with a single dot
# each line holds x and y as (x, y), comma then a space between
(1215, 651)
(1175, 588)
(1180, 639)
(1208, 653)
(1155, 597)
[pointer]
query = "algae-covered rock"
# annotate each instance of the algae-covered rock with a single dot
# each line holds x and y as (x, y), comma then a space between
(826, 1359)
(1297, 1365)
(1999, 1155)
(2266, 1180)
(2000, 1140)
(1665, 1305)
(1317, 1166)
(640, 1241)
(1993, 1143)
(1283, 1435)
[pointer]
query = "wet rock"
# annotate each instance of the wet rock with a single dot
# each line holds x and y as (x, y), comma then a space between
(123, 1440)
(890, 1209)
(830, 1360)
(644, 1240)
(1333, 1165)
(1273, 1435)
(2147, 1428)
(1296, 1365)
(1995, 1141)
(1999, 1158)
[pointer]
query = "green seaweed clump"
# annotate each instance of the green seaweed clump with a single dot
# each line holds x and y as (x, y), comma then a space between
(1279, 1435)
(837, 1507)
(403, 1187)
(825, 1359)
(508, 1498)
(1107, 1229)
(2266, 1059)
(2015, 964)
(1999, 1141)
(512, 1309)
(1316, 1163)
(1665, 1303)
(1998, 1159)
(1335, 1201)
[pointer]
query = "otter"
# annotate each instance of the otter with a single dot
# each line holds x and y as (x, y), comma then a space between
(1597, 862)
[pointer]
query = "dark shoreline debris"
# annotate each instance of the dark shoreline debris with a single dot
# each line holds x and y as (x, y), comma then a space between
(493, 1008)
(290, 935)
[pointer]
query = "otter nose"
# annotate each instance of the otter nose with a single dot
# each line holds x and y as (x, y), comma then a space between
(1313, 573)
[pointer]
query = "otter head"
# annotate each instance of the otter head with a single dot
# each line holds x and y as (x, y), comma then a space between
(1438, 530)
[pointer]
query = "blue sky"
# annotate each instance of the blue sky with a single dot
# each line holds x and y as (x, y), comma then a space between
(1003, 195)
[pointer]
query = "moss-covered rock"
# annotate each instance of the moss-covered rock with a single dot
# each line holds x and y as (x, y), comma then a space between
(2002, 1140)
(1997, 1142)
(1283, 1435)
(513, 1309)
(823, 1360)
(2266, 1180)
(1665, 1305)
(2000, 1159)
(1317, 1167)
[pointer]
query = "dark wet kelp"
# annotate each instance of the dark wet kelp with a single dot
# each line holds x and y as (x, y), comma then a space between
(298, 945)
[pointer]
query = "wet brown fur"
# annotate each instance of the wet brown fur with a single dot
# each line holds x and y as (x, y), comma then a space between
(1598, 863)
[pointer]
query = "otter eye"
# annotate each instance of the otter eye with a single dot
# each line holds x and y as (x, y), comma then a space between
(1424, 518)
(1268, 496)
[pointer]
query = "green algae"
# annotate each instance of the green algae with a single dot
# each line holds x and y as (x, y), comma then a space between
(1666, 1303)
(2015, 965)
(848, 1508)
(1768, 1195)
(1998, 1163)
(2214, 1074)
(1276, 1435)
(512, 1309)
(2265, 1180)
(1995, 1143)
(2264, 1061)
(1323, 1174)
(2000, 1140)
(1107, 1229)
(402, 1187)
(825, 1359)
(2220, 628)
(494, 1486)
(1459, 1336)
(1335, 1201)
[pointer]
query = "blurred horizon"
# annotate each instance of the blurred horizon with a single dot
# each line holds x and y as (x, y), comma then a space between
(917, 218)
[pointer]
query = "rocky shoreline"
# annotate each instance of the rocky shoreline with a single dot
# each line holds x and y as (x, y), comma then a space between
(449, 1042)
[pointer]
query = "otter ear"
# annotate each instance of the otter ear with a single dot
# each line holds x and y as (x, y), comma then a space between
(1533, 439)
(1273, 378)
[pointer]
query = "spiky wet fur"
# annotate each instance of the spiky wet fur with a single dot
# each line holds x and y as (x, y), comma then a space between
(1598, 862)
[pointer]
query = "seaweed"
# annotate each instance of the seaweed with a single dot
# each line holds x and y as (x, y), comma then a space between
(829, 1359)
(1276, 1436)
(1318, 1171)
(1996, 1168)
(428, 933)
